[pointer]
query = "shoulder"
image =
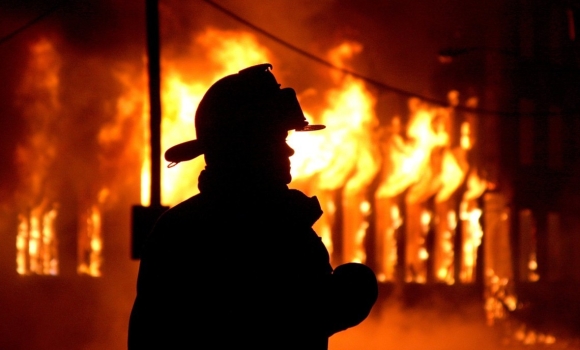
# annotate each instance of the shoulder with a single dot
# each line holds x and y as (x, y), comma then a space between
(178, 216)
(185, 208)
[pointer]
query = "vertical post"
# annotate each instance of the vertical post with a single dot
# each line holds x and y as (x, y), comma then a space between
(144, 218)
(153, 54)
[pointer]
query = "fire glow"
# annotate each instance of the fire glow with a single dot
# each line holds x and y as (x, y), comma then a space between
(396, 191)
(36, 241)
(410, 164)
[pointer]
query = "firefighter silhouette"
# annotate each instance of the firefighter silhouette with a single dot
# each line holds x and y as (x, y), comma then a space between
(238, 265)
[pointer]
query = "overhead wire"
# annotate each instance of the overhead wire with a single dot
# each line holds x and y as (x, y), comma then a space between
(367, 79)
(30, 23)
(376, 83)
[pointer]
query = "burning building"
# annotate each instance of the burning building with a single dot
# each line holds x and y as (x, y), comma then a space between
(460, 193)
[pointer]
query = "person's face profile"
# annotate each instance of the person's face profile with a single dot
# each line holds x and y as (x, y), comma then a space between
(270, 156)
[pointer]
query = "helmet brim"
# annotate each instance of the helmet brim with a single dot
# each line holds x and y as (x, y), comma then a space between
(184, 151)
(192, 149)
(312, 127)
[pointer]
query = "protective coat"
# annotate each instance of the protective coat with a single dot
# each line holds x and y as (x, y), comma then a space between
(237, 267)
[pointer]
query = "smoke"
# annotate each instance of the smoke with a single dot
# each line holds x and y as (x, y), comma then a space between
(53, 150)
(422, 317)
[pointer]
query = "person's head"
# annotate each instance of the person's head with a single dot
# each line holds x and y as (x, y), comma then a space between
(242, 123)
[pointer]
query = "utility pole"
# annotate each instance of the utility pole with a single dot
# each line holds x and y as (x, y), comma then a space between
(153, 58)
(143, 218)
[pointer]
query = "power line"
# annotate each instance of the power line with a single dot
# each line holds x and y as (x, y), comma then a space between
(30, 23)
(320, 60)
(369, 80)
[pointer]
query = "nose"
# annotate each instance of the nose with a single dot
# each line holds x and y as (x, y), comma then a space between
(289, 150)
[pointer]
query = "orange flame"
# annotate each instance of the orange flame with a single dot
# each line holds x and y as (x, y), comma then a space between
(344, 159)
(344, 155)
(469, 215)
(421, 165)
(39, 99)
(349, 118)
(36, 243)
(228, 52)
(90, 238)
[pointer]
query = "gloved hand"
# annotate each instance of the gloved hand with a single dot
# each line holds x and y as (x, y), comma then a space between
(354, 290)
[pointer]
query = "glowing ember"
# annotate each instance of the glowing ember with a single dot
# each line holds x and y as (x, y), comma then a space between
(528, 336)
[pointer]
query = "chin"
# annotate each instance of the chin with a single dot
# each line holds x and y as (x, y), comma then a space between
(280, 178)
(287, 177)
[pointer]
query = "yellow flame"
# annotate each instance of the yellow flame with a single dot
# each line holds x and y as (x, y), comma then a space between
(180, 101)
(472, 235)
(228, 52)
(36, 242)
(472, 231)
(345, 155)
(475, 186)
(409, 161)
(444, 253)
(452, 174)
(465, 139)
(387, 225)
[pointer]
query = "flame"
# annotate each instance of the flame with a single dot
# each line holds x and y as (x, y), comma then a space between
(421, 165)
(452, 174)
(407, 162)
(470, 214)
(387, 226)
(227, 53)
(344, 158)
(527, 336)
(90, 243)
(349, 118)
(38, 94)
(131, 107)
(445, 256)
(416, 161)
(40, 101)
(345, 155)
(36, 242)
